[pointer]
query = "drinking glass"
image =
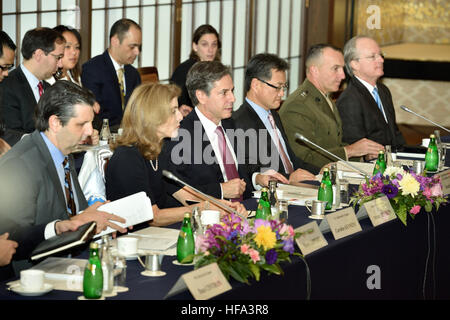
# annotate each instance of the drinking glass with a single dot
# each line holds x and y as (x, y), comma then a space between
(120, 274)
(283, 210)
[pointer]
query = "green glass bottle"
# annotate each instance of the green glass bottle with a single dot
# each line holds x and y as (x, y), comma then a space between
(186, 243)
(93, 274)
(432, 155)
(326, 189)
(380, 164)
(263, 211)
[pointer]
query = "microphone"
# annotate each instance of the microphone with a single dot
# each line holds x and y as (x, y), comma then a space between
(171, 176)
(416, 114)
(346, 163)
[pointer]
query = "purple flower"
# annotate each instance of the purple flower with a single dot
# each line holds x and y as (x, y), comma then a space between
(389, 190)
(271, 256)
(288, 245)
(261, 222)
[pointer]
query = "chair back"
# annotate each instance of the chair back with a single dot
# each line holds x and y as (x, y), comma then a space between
(148, 74)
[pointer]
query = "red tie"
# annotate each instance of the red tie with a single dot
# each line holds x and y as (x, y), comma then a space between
(41, 88)
(227, 159)
(287, 164)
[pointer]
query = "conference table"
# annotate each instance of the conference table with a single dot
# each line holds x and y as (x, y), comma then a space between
(411, 262)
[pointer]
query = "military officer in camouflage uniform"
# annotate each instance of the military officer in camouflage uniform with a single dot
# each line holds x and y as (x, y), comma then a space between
(310, 111)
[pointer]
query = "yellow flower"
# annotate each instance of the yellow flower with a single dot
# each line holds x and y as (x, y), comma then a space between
(409, 185)
(265, 237)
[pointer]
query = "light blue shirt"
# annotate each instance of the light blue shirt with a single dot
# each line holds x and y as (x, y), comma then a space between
(58, 158)
(32, 81)
(263, 114)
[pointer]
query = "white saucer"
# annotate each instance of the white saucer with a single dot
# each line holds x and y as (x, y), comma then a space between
(17, 288)
(318, 217)
(182, 264)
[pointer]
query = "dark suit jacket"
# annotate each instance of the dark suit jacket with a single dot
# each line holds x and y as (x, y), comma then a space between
(246, 118)
(361, 117)
(18, 102)
(189, 155)
(99, 76)
(30, 191)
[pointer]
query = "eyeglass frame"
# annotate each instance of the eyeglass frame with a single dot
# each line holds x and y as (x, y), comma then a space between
(372, 57)
(7, 67)
(284, 87)
(57, 57)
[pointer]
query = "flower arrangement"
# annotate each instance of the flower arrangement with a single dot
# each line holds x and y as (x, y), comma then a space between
(407, 192)
(242, 248)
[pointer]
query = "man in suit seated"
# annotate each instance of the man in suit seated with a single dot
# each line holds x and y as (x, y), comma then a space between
(42, 50)
(8, 137)
(366, 106)
(203, 154)
(110, 76)
(265, 84)
(310, 111)
(38, 182)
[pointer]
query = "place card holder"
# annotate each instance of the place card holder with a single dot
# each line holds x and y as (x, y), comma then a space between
(445, 181)
(311, 239)
(343, 223)
(379, 211)
(204, 283)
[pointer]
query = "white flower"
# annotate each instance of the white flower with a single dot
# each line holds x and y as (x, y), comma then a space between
(393, 171)
(409, 185)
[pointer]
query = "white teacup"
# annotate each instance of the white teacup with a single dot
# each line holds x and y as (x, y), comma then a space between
(210, 217)
(127, 246)
(32, 280)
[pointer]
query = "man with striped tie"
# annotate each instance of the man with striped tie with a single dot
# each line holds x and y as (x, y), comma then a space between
(38, 181)
(265, 84)
(42, 51)
(366, 107)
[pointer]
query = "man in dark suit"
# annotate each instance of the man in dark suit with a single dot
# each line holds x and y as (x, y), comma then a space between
(110, 76)
(38, 181)
(265, 84)
(310, 111)
(366, 106)
(42, 50)
(8, 137)
(203, 155)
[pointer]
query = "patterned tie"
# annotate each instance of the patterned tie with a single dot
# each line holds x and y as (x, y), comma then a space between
(287, 164)
(227, 159)
(378, 101)
(71, 208)
(41, 88)
(121, 85)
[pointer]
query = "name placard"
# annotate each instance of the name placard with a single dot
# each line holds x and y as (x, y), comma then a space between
(311, 239)
(343, 223)
(445, 180)
(380, 211)
(206, 282)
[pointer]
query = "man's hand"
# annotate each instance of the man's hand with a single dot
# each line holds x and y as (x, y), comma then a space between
(233, 188)
(263, 178)
(364, 147)
(7, 249)
(102, 218)
(301, 175)
(67, 225)
(237, 206)
(185, 110)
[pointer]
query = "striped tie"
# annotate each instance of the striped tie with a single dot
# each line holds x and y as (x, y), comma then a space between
(122, 86)
(284, 158)
(71, 208)
(378, 101)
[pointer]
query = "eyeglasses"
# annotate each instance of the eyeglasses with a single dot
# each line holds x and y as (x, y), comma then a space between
(282, 87)
(57, 57)
(372, 57)
(7, 67)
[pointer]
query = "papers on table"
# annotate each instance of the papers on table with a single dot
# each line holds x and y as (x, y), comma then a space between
(157, 240)
(294, 194)
(134, 209)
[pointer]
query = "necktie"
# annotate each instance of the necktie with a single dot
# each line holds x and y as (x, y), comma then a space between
(122, 86)
(286, 163)
(378, 101)
(227, 158)
(40, 88)
(71, 208)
